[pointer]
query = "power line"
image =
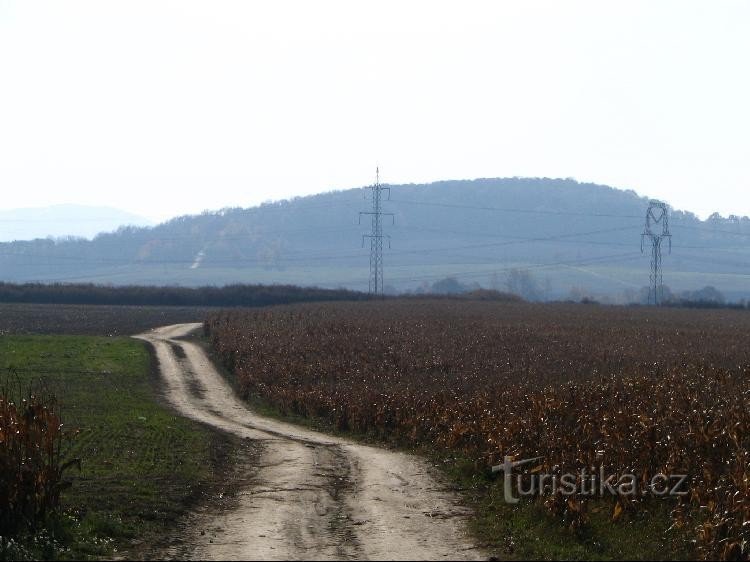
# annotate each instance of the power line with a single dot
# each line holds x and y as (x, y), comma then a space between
(512, 210)
(552, 238)
(294, 206)
(376, 262)
(564, 241)
(711, 230)
(306, 257)
(143, 232)
(142, 238)
(490, 270)
(563, 213)
(303, 256)
(461, 275)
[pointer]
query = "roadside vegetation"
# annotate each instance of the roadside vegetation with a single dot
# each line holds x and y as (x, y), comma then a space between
(625, 390)
(31, 469)
(141, 466)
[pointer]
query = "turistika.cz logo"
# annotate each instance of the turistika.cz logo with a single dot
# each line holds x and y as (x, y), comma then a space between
(591, 483)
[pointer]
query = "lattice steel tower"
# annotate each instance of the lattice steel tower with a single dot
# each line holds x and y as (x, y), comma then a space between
(376, 235)
(656, 230)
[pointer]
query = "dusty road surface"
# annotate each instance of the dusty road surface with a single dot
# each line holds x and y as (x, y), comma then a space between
(311, 496)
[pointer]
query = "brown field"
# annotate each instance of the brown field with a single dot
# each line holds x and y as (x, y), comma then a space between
(635, 390)
(92, 319)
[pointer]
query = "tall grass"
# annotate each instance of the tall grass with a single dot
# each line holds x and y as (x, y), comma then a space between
(642, 392)
(31, 464)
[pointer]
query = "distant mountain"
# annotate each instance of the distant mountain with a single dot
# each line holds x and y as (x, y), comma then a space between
(568, 238)
(63, 220)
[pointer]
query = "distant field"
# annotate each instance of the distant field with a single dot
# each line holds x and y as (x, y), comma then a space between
(92, 319)
(629, 390)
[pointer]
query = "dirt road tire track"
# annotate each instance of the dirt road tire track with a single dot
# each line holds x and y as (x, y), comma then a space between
(312, 496)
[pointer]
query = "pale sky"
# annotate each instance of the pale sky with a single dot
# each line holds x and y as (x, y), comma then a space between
(165, 108)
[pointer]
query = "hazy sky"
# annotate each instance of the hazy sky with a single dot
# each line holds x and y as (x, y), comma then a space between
(165, 108)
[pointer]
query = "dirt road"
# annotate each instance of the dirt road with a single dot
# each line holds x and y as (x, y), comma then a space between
(311, 496)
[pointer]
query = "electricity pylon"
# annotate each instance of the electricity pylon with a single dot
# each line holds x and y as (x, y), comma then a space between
(656, 230)
(376, 235)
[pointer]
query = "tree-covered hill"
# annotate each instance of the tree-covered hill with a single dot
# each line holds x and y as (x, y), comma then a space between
(566, 235)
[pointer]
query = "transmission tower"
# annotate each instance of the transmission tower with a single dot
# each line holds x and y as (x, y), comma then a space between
(656, 230)
(376, 235)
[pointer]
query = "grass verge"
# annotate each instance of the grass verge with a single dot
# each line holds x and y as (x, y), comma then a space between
(142, 465)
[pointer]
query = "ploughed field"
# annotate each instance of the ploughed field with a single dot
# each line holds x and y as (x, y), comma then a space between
(85, 319)
(639, 391)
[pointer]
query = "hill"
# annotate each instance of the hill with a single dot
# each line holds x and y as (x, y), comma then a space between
(562, 235)
(63, 221)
